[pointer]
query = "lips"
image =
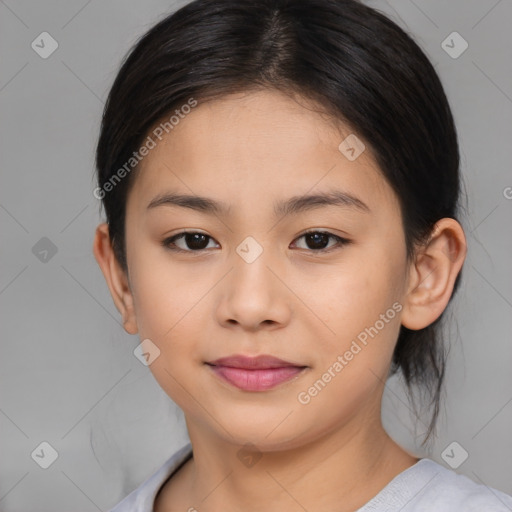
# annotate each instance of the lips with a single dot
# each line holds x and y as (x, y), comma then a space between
(255, 373)
(253, 363)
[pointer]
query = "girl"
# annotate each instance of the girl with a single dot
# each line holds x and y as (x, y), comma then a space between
(281, 186)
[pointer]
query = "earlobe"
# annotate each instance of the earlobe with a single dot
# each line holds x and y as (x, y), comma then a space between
(115, 277)
(433, 273)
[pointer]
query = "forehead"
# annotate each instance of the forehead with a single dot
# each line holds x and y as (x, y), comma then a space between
(256, 146)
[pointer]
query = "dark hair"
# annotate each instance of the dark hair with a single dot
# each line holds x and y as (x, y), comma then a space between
(352, 61)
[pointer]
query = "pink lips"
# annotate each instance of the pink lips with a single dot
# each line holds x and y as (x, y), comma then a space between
(254, 373)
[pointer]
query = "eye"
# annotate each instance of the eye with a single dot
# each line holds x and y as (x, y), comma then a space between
(318, 239)
(195, 240)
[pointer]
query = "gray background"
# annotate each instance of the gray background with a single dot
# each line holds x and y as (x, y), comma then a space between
(68, 375)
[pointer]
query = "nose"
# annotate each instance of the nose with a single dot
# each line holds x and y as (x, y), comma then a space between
(254, 295)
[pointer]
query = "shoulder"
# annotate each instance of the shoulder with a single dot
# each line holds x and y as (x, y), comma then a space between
(448, 490)
(142, 498)
(428, 486)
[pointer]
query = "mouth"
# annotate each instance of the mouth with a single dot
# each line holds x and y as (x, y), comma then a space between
(255, 373)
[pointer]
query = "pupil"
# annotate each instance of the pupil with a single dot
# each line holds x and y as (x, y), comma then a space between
(194, 242)
(315, 238)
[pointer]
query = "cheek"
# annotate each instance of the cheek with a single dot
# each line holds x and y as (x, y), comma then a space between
(166, 294)
(169, 311)
(349, 294)
(354, 362)
(169, 308)
(361, 305)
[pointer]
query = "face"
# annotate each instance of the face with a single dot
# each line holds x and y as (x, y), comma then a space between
(249, 280)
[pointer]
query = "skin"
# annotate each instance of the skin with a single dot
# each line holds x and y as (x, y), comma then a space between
(291, 302)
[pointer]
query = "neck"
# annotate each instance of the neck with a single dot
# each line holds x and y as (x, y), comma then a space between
(342, 470)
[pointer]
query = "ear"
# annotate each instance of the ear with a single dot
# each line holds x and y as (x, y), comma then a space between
(433, 273)
(115, 277)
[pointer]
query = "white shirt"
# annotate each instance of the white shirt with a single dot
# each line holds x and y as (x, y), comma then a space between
(424, 487)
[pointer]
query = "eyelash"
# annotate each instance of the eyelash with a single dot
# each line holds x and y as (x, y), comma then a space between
(169, 244)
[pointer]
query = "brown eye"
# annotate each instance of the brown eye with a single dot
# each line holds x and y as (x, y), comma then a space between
(192, 241)
(318, 241)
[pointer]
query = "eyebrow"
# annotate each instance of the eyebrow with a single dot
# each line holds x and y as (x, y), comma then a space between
(291, 206)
